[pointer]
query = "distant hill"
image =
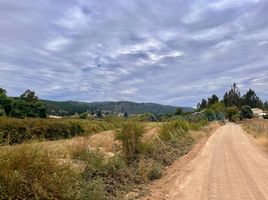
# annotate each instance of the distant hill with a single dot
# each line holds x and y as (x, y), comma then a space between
(72, 107)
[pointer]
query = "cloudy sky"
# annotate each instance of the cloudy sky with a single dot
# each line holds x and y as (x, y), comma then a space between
(166, 51)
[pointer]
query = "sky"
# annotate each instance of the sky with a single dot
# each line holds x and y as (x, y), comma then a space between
(173, 52)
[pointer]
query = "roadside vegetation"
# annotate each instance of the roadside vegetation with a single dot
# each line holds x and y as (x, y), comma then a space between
(258, 129)
(31, 171)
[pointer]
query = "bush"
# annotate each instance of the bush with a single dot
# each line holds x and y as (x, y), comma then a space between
(111, 174)
(130, 135)
(246, 112)
(174, 129)
(155, 171)
(94, 190)
(220, 116)
(210, 114)
(2, 111)
(16, 131)
(232, 113)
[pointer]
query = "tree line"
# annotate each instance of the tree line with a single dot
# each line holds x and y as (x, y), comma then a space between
(233, 102)
(27, 105)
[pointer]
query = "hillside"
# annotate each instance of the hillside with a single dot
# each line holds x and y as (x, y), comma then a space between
(72, 107)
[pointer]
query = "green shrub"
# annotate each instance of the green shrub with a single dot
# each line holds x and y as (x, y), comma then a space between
(210, 114)
(130, 135)
(155, 171)
(246, 112)
(232, 113)
(174, 129)
(146, 147)
(16, 131)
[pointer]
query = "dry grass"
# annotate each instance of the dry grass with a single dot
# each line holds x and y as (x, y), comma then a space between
(262, 140)
(104, 141)
(94, 164)
(30, 172)
(205, 131)
(258, 128)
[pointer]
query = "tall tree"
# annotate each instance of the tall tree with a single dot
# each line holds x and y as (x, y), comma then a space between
(203, 104)
(178, 111)
(251, 99)
(29, 95)
(213, 99)
(5, 101)
(265, 105)
(3, 92)
(232, 97)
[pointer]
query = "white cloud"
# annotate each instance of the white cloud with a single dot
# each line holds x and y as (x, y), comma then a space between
(129, 91)
(57, 44)
(73, 18)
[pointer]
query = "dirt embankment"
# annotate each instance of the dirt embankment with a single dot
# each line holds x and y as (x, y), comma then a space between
(229, 166)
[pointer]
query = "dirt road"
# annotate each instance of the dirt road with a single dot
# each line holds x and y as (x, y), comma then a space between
(229, 166)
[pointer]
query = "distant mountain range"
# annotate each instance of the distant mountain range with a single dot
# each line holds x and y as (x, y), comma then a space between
(72, 107)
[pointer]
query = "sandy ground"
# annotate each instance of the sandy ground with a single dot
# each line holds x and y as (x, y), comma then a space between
(229, 166)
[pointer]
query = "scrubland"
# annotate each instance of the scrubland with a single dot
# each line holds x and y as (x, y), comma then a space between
(89, 159)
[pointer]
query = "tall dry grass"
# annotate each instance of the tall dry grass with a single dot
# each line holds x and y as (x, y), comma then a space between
(258, 128)
(29, 172)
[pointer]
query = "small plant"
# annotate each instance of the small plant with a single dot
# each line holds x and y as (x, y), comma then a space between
(155, 171)
(130, 135)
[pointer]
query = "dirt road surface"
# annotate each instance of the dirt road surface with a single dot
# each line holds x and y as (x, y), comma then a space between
(229, 166)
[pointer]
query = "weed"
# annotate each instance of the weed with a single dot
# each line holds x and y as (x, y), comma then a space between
(130, 135)
(155, 171)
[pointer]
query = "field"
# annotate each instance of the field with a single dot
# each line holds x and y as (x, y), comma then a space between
(106, 159)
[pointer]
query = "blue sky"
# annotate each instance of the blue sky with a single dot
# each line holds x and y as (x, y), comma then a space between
(165, 51)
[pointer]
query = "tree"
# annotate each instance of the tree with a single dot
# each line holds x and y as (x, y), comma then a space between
(265, 105)
(212, 100)
(217, 107)
(203, 104)
(246, 112)
(2, 111)
(99, 114)
(178, 111)
(5, 101)
(232, 97)
(231, 112)
(125, 114)
(29, 95)
(198, 106)
(3, 92)
(251, 99)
